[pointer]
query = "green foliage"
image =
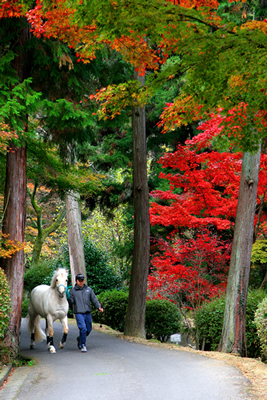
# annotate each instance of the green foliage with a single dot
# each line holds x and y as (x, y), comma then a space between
(24, 307)
(209, 323)
(112, 235)
(261, 324)
(5, 306)
(255, 297)
(162, 319)
(37, 275)
(259, 252)
(114, 304)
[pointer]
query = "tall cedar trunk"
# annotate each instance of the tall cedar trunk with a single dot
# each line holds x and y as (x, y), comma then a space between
(135, 318)
(233, 334)
(15, 205)
(76, 252)
(14, 226)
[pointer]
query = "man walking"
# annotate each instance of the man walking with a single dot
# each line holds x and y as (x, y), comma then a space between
(81, 297)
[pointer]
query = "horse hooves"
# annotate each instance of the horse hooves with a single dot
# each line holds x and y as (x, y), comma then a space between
(31, 346)
(52, 350)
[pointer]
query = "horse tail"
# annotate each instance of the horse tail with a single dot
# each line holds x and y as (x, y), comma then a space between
(38, 332)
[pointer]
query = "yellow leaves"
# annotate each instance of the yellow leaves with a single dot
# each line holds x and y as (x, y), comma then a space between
(113, 99)
(6, 134)
(9, 247)
(238, 81)
(251, 25)
(180, 113)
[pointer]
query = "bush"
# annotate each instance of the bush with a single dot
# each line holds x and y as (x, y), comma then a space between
(162, 319)
(37, 275)
(114, 304)
(261, 324)
(255, 297)
(5, 304)
(209, 322)
(24, 308)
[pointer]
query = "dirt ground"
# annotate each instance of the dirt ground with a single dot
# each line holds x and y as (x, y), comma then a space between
(253, 369)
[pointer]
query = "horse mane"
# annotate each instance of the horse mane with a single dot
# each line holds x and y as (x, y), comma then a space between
(57, 272)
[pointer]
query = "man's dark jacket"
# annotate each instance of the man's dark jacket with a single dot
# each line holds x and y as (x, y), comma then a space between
(81, 299)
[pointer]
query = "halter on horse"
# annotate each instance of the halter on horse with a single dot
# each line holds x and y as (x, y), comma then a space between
(50, 303)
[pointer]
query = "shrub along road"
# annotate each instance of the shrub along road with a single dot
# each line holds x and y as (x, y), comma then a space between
(115, 369)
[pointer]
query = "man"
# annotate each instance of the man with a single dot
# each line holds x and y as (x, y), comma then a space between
(81, 297)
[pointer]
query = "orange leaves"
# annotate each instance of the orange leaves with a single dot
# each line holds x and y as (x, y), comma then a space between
(138, 53)
(252, 25)
(11, 9)
(213, 4)
(6, 134)
(181, 112)
(57, 22)
(9, 247)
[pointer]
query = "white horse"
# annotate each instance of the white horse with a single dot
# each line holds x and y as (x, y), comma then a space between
(50, 303)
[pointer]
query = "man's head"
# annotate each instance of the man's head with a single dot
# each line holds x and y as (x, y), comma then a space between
(80, 280)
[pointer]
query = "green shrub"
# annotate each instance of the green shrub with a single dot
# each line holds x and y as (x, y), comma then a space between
(255, 297)
(162, 319)
(261, 324)
(37, 275)
(24, 308)
(209, 322)
(114, 304)
(5, 304)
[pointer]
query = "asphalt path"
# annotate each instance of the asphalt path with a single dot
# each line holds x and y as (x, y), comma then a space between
(116, 369)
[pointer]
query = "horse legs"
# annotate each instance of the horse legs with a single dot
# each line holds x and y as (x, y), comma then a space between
(50, 334)
(64, 323)
(32, 341)
(31, 326)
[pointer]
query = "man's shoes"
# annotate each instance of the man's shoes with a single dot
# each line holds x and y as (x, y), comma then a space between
(84, 349)
(79, 342)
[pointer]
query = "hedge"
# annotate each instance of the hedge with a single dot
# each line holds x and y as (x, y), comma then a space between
(209, 322)
(5, 304)
(261, 324)
(161, 320)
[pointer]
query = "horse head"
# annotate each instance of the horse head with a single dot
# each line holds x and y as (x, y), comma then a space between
(60, 281)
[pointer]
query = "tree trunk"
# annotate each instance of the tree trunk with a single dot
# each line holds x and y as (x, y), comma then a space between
(233, 334)
(14, 225)
(135, 318)
(14, 219)
(76, 252)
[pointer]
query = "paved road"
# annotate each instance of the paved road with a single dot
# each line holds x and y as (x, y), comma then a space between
(115, 369)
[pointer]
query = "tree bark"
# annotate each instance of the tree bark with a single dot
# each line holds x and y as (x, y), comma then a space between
(14, 226)
(76, 252)
(135, 318)
(14, 219)
(233, 338)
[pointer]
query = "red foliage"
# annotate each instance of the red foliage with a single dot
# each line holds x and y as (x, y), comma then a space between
(190, 271)
(11, 9)
(204, 186)
(208, 183)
